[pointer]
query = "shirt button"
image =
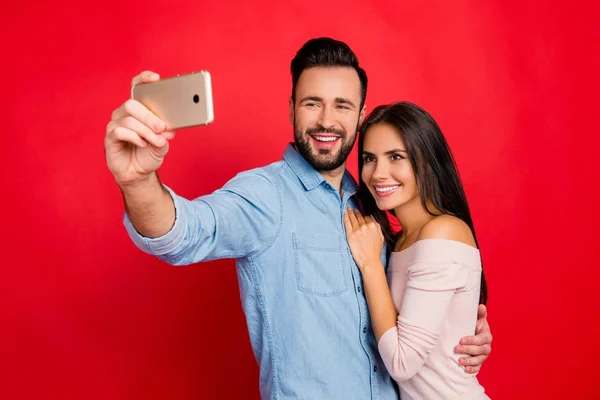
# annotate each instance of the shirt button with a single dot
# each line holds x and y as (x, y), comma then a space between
(375, 368)
(358, 288)
(364, 329)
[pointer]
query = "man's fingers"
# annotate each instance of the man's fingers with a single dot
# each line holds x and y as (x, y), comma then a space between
(472, 370)
(146, 76)
(474, 350)
(137, 110)
(146, 133)
(169, 135)
(475, 361)
(481, 311)
(472, 361)
(122, 134)
(478, 340)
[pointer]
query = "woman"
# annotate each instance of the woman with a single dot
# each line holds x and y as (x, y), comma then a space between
(435, 272)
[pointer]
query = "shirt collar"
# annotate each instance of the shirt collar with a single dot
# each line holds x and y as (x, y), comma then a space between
(309, 176)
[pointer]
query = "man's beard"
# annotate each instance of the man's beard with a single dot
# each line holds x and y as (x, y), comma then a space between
(325, 160)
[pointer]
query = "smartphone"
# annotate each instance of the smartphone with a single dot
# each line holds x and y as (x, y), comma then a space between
(181, 101)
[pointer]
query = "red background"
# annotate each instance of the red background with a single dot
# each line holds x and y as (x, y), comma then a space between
(85, 315)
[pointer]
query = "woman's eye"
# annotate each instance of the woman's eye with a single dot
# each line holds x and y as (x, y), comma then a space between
(367, 159)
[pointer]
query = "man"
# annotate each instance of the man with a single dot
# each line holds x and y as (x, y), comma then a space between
(301, 290)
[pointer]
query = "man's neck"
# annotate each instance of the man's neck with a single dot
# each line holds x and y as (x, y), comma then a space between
(335, 176)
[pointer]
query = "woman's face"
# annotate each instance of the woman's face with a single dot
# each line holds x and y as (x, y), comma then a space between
(387, 171)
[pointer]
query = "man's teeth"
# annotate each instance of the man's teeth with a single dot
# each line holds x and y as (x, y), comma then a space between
(387, 189)
(326, 138)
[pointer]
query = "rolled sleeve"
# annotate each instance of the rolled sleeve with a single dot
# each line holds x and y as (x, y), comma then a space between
(238, 220)
(169, 241)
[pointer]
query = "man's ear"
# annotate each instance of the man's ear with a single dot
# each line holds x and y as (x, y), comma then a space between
(361, 116)
(291, 105)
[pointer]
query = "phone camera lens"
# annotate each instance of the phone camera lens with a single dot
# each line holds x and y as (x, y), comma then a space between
(196, 98)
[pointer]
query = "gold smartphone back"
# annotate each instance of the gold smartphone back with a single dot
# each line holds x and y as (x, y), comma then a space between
(181, 101)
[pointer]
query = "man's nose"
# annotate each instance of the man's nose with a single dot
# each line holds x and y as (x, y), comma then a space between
(326, 118)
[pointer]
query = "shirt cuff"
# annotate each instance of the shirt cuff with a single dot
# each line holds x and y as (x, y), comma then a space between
(162, 244)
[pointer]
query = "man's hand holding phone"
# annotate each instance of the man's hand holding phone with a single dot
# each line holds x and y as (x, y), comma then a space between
(137, 140)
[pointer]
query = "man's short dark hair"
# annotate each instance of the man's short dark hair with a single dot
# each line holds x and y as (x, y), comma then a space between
(326, 52)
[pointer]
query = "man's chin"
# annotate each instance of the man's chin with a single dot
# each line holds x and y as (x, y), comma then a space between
(324, 163)
(324, 156)
(320, 159)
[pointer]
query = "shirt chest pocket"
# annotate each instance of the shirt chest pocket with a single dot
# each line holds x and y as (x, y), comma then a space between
(319, 260)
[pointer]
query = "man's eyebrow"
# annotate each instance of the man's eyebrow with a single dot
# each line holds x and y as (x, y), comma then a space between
(312, 98)
(338, 100)
(342, 100)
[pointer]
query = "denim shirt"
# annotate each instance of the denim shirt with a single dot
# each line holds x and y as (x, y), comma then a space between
(301, 291)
